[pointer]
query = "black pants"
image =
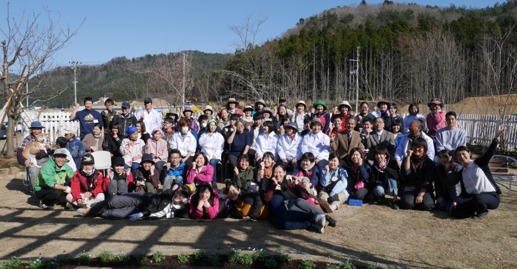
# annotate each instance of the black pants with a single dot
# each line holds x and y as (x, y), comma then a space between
(118, 207)
(476, 203)
(408, 197)
(50, 196)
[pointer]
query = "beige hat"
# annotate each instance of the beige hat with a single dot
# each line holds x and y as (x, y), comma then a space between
(70, 130)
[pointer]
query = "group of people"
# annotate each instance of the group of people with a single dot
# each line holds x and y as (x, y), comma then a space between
(293, 167)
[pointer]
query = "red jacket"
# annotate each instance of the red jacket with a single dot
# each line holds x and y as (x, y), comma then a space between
(78, 185)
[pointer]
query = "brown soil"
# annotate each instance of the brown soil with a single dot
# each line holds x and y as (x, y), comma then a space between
(370, 233)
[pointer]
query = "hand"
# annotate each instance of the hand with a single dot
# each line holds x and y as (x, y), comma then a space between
(135, 216)
(27, 163)
(48, 146)
(247, 218)
(419, 199)
(137, 157)
(317, 160)
(128, 171)
(34, 151)
(88, 194)
(327, 168)
(440, 200)
(499, 133)
(236, 170)
(77, 106)
(409, 153)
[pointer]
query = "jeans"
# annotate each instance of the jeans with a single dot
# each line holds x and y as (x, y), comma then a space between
(118, 207)
(408, 198)
(285, 219)
(476, 203)
(134, 166)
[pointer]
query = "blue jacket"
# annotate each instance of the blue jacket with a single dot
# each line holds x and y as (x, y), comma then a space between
(179, 171)
(341, 185)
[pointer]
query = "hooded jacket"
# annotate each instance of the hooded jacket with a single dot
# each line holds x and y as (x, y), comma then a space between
(158, 149)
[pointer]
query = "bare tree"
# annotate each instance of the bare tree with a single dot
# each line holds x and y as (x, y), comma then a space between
(29, 46)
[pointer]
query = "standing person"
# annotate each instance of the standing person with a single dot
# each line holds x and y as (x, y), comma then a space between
(380, 137)
(224, 119)
(126, 118)
(157, 148)
(320, 114)
(53, 181)
(233, 107)
(450, 137)
(41, 156)
(187, 113)
(415, 131)
(209, 112)
(392, 117)
(120, 180)
(259, 105)
(363, 114)
(131, 149)
(346, 141)
(184, 141)
(93, 142)
(317, 143)
(290, 147)
(417, 174)
(108, 115)
(247, 117)
(413, 115)
(344, 112)
(300, 115)
(87, 118)
(239, 141)
(113, 141)
(436, 119)
(87, 185)
(334, 180)
(151, 118)
(204, 203)
(480, 192)
(212, 145)
(142, 131)
(74, 146)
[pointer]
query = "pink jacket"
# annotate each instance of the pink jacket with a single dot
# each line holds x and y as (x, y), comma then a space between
(158, 149)
(436, 122)
(206, 175)
(210, 212)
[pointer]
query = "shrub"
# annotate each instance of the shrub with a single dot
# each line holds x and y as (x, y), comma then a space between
(107, 256)
(84, 259)
(183, 258)
(306, 264)
(158, 256)
(270, 262)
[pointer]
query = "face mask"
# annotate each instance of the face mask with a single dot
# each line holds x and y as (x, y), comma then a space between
(184, 130)
(203, 125)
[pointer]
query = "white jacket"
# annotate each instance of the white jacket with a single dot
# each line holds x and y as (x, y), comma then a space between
(135, 150)
(290, 149)
(401, 152)
(184, 147)
(265, 143)
(212, 145)
(319, 145)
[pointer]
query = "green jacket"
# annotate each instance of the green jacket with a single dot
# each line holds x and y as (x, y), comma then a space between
(50, 174)
(244, 179)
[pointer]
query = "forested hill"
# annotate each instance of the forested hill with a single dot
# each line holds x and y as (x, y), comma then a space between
(126, 79)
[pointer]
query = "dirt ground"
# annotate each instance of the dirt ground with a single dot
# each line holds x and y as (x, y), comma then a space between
(372, 233)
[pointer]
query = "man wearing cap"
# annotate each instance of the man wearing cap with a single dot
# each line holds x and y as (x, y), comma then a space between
(232, 107)
(41, 155)
(87, 118)
(152, 118)
(283, 102)
(317, 143)
(290, 147)
(347, 140)
(125, 118)
(344, 109)
(108, 115)
(300, 115)
(436, 119)
(74, 145)
(187, 113)
(51, 187)
(87, 185)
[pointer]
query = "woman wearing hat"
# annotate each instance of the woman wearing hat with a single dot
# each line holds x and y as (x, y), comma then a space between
(74, 145)
(299, 116)
(212, 145)
(232, 107)
(209, 112)
(188, 113)
(323, 116)
(344, 111)
(247, 117)
(436, 119)
(148, 175)
(290, 147)
(41, 155)
(131, 149)
(87, 185)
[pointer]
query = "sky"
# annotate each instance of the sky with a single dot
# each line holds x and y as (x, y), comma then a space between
(115, 28)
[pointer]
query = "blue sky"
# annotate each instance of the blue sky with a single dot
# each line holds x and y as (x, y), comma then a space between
(136, 28)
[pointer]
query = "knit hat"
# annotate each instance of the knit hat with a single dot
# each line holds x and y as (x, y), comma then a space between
(320, 103)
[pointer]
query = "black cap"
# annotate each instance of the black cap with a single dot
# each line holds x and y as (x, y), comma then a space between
(148, 100)
(282, 99)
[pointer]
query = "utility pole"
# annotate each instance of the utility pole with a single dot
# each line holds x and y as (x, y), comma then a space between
(356, 73)
(183, 81)
(74, 63)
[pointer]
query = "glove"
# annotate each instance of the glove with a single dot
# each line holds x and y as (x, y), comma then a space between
(135, 216)
(68, 190)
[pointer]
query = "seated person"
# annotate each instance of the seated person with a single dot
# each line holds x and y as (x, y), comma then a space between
(334, 181)
(74, 145)
(417, 174)
(157, 148)
(245, 174)
(131, 149)
(384, 175)
(480, 191)
(113, 141)
(87, 185)
(204, 203)
(211, 143)
(52, 184)
(379, 137)
(176, 171)
(184, 141)
(359, 170)
(121, 179)
(61, 143)
(346, 141)
(308, 173)
(318, 143)
(244, 205)
(290, 147)
(200, 172)
(93, 142)
(448, 186)
(267, 141)
(169, 204)
(148, 175)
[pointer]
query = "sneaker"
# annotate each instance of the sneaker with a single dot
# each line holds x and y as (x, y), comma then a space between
(44, 206)
(321, 219)
(326, 207)
(317, 228)
(480, 216)
(332, 222)
(69, 206)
